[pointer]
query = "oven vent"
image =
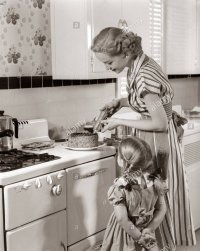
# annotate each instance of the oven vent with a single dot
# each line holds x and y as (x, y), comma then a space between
(23, 122)
(192, 153)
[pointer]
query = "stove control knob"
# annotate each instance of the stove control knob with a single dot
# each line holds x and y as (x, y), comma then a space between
(60, 175)
(56, 190)
(26, 185)
(49, 180)
(38, 183)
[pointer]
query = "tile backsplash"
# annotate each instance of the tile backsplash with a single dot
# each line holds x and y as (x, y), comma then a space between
(61, 106)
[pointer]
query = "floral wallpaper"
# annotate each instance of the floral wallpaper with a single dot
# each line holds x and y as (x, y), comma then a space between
(25, 38)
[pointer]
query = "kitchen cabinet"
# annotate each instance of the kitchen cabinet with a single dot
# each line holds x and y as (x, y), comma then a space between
(191, 149)
(75, 23)
(92, 243)
(88, 210)
(1, 221)
(181, 39)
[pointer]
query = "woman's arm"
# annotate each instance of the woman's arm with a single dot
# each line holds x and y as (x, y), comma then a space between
(125, 223)
(124, 102)
(157, 121)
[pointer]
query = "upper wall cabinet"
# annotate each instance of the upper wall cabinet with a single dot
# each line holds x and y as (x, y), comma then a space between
(182, 26)
(74, 23)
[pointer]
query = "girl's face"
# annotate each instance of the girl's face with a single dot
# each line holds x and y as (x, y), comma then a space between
(113, 63)
(121, 163)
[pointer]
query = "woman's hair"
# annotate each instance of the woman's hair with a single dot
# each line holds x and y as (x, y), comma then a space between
(114, 41)
(136, 154)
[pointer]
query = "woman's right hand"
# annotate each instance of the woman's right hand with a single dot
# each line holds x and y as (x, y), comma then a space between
(112, 107)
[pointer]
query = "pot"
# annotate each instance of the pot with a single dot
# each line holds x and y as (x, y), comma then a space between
(8, 128)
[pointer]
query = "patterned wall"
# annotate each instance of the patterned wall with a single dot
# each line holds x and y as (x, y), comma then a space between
(25, 42)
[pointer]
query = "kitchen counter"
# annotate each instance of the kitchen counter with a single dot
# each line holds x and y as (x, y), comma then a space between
(68, 159)
(192, 127)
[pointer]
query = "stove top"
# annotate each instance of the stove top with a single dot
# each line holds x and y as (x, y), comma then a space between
(15, 159)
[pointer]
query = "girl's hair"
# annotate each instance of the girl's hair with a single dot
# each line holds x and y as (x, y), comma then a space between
(136, 154)
(114, 41)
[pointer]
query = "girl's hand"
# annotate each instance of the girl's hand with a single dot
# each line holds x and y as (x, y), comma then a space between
(147, 241)
(110, 124)
(147, 231)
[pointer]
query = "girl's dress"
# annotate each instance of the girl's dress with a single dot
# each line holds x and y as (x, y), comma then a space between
(140, 205)
(147, 77)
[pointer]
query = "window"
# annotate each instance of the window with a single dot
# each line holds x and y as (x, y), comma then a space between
(155, 39)
(156, 30)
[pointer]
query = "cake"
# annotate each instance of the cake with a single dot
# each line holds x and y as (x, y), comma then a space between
(83, 140)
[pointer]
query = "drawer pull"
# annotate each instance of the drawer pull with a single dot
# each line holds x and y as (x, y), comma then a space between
(77, 176)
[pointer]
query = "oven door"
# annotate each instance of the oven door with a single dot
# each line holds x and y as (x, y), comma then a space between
(48, 233)
(88, 209)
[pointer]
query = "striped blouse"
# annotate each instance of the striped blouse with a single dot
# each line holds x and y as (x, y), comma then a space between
(149, 78)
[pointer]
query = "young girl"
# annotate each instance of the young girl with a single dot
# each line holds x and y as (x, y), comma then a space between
(138, 201)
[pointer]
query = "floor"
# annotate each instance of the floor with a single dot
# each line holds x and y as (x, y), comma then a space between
(193, 248)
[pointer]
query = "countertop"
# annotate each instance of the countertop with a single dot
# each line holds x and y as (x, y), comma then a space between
(69, 158)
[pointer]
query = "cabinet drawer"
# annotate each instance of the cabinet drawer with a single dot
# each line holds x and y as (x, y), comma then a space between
(92, 243)
(29, 200)
(48, 233)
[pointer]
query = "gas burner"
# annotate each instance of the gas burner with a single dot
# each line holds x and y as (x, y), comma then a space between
(15, 159)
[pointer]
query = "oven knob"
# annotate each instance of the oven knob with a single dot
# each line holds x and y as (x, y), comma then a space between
(26, 185)
(59, 176)
(38, 183)
(49, 180)
(56, 190)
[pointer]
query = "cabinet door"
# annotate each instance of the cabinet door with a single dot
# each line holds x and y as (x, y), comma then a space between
(69, 39)
(181, 37)
(194, 188)
(1, 222)
(191, 149)
(48, 233)
(105, 13)
(88, 209)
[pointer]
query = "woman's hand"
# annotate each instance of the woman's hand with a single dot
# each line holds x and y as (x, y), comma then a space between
(112, 107)
(109, 124)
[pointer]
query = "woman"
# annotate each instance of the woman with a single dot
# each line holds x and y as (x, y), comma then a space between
(150, 94)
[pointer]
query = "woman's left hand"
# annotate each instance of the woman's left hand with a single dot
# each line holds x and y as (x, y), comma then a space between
(110, 124)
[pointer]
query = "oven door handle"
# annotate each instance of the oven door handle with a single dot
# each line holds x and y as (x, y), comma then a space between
(77, 176)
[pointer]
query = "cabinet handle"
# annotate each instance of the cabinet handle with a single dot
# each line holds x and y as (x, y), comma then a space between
(63, 246)
(78, 176)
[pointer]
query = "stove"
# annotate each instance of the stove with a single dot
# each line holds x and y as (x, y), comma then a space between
(15, 159)
(31, 132)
